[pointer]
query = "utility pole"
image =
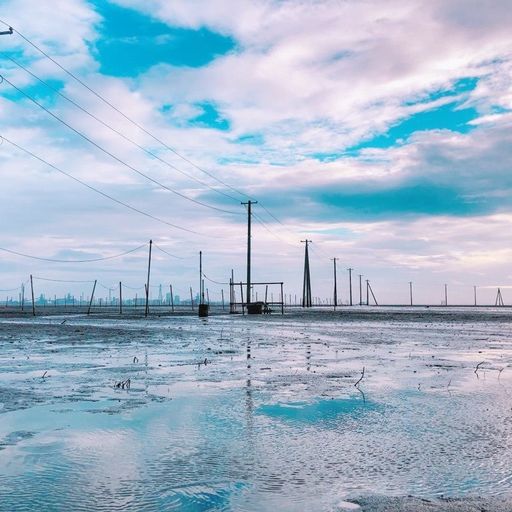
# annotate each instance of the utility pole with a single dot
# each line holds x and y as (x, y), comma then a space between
(446, 295)
(410, 291)
(360, 289)
(306, 284)
(474, 293)
(201, 292)
(350, 284)
(367, 292)
(249, 204)
(32, 292)
(335, 284)
(147, 284)
(92, 297)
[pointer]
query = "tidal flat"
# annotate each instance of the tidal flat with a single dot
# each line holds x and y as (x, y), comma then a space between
(237, 413)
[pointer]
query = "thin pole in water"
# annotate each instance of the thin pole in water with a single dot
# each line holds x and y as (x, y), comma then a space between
(146, 312)
(32, 291)
(92, 297)
(335, 284)
(242, 297)
(350, 285)
(120, 298)
(201, 291)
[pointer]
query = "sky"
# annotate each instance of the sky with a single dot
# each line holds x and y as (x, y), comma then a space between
(380, 131)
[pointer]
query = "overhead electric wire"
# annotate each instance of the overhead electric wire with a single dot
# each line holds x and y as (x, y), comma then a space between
(168, 253)
(11, 289)
(98, 191)
(129, 119)
(114, 130)
(135, 123)
(260, 220)
(319, 250)
(116, 158)
(133, 288)
(53, 260)
(213, 281)
(61, 280)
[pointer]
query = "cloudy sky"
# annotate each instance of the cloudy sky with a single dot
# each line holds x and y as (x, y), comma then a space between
(380, 130)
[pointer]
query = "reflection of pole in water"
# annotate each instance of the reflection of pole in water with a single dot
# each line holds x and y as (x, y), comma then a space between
(248, 354)
(308, 357)
(249, 412)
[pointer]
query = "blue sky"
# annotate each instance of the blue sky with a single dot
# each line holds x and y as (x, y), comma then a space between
(374, 136)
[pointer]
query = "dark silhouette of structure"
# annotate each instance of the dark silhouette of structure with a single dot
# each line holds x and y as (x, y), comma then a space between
(249, 204)
(306, 285)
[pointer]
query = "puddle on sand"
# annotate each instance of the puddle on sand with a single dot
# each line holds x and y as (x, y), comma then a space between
(322, 411)
(252, 415)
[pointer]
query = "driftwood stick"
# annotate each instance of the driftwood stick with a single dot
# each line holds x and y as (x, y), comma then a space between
(478, 366)
(360, 378)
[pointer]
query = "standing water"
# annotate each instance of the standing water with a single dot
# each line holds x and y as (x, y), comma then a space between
(231, 413)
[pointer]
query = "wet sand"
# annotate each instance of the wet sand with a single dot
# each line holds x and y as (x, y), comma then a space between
(258, 413)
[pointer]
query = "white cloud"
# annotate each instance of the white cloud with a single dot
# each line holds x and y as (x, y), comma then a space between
(309, 77)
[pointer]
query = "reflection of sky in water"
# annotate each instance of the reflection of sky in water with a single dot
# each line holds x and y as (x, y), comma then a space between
(282, 429)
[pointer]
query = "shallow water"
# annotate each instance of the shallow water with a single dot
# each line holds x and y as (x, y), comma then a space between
(272, 421)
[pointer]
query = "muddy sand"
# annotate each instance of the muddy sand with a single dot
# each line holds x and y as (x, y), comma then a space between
(257, 413)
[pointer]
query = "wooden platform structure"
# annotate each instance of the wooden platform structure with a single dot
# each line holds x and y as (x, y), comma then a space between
(254, 307)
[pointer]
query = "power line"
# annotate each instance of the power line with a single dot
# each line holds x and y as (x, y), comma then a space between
(72, 261)
(132, 121)
(260, 220)
(122, 135)
(212, 280)
(11, 289)
(60, 280)
(135, 123)
(116, 158)
(133, 288)
(168, 253)
(98, 191)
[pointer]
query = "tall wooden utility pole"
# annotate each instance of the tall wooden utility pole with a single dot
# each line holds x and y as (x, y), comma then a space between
(474, 293)
(350, 285)
(248, 204)
(32, 292)
(201, 291)
(147, 283)
(335, 284)
(360, 289)
(446, 295)
(410, 291)
(306, 285)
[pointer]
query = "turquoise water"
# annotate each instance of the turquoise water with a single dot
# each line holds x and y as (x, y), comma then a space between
(272, 421)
